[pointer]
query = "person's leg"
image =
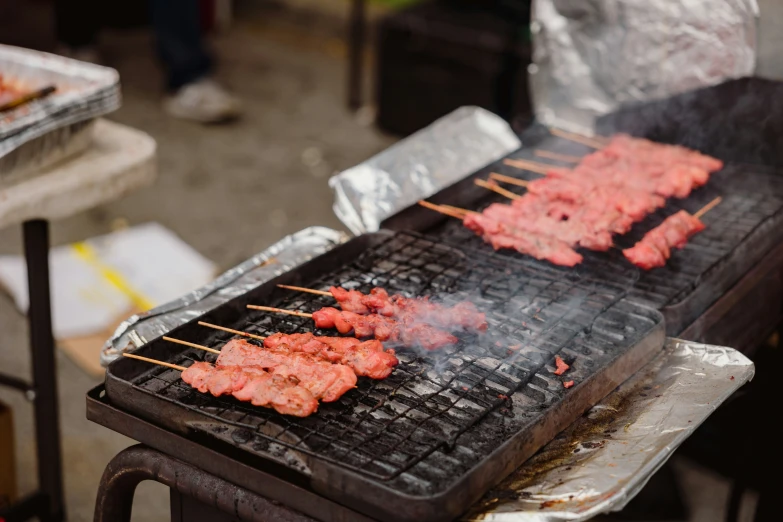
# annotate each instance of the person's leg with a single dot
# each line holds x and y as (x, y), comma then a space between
(180, 44)
(188, 65)
(77, 23)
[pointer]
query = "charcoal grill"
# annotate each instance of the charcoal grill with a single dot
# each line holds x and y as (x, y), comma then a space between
(429, 440)
(740, 231)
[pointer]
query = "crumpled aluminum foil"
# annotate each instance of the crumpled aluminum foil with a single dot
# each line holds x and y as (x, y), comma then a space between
(419, 166)
(31, 133)
(602, 460)
(591, 56)
(279, 258)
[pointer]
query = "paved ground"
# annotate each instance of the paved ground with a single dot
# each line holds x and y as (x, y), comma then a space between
(229, 191)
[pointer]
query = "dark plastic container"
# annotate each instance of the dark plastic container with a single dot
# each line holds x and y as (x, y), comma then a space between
(438, 56)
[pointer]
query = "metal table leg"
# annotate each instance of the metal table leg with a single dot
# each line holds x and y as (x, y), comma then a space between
(138, 463)
(47, 417)
(356, 36)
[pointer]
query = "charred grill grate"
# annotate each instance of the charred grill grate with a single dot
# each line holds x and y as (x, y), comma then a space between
(437, 415)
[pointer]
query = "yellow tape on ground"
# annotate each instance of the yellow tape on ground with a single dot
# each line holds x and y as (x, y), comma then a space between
(87, 253)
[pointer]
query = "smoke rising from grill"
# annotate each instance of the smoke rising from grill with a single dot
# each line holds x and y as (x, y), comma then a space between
(738, 121)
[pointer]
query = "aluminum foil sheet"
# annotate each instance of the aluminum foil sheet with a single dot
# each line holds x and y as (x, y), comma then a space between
(84, 92)
(281, 257)
(602, 460)
(592, 56)
(419, 166)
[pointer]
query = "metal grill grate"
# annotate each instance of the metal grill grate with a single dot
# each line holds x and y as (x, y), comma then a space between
(438, 414)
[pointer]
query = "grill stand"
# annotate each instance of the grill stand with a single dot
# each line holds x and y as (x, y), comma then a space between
(211, 464)
(748, 313)
(192, 492)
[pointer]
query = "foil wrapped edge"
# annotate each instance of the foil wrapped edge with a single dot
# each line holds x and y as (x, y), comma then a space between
(289, 252)
(417, 167)
(591, 58)
(599, 463)
(85, 91)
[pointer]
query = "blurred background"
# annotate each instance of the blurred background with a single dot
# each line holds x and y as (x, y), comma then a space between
(318, 86)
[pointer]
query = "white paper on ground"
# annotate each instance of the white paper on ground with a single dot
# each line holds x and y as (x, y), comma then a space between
(151, 260)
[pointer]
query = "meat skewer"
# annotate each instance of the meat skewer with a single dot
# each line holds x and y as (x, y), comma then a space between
(326, 381)
(503, 236)
(366, 359)
(441, 208)
(413, 309)
(248, 384)
(654, 249)
(378, 326)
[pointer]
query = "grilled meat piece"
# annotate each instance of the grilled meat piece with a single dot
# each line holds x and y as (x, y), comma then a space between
(379, 301)
(350, 300)
(407, 332)
(655, 247)
(502, 236)
(326, 381)
(561, 366)
(605, 194)
(367, 359)
(253, 385)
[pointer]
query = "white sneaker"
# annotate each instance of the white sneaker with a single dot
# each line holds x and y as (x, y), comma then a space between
(203, 101)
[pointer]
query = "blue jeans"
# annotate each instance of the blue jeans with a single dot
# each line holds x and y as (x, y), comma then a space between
(177, 28)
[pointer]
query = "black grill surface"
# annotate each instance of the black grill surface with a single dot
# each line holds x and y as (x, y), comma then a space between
(425, 442)
(740, 230)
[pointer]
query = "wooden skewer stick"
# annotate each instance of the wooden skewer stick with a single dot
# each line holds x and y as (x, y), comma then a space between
(192, 345)
(462, 211)
(556, 156)
(442, 210)
(280, 311)
(508, 179)
(308, 290)
(495, 188)
(709, 206)
(155, 361)
(596, 142)
(230, 330)
(532, 166)
(27, 98)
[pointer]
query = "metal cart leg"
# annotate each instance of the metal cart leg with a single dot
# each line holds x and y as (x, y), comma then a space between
(356, 37)
(137, 463)
(47, 417)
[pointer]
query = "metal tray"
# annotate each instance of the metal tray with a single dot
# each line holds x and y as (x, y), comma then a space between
(740, 231)
(38, 154)
(84, 92)
(471, 414)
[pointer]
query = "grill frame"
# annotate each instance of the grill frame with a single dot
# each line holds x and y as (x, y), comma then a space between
(372, 496)
(736, 182)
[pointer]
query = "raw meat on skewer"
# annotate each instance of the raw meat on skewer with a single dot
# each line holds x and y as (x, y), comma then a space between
(254, 385)
(326, 381)
(655, 247)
